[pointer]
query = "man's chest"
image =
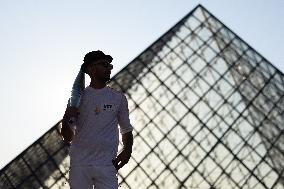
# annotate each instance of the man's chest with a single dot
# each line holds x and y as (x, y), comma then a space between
(105, 107)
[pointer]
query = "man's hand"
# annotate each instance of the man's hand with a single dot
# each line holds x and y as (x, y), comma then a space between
(66, 132)
(124, 156)
(122, 159)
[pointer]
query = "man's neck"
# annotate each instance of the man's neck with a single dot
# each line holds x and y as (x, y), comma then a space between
(97, 84)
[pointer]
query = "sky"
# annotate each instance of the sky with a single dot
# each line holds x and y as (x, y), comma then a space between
(43, 43)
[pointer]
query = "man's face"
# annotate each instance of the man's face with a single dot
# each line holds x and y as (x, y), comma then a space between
(100, 69)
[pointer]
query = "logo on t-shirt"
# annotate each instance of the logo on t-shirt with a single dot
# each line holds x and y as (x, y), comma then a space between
(108, 107)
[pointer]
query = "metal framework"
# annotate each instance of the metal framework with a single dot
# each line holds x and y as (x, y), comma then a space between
(207, 111)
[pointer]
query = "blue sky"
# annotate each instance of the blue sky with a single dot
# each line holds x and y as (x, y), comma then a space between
(42, 44)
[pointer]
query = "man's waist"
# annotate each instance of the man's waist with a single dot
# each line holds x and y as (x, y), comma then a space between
(95, 162)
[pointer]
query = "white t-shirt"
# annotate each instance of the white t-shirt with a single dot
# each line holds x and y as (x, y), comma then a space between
(97, 135)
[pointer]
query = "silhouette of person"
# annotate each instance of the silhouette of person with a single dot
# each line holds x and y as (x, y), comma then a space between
(94, 142)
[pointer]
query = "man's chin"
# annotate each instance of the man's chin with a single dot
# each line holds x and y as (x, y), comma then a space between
(104, 79)
(107, 79)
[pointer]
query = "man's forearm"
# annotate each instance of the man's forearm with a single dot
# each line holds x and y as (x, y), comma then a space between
(127, 140)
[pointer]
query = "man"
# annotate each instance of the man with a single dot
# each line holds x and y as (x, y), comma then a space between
(93, 154)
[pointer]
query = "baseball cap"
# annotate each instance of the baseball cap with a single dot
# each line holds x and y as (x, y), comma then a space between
(92, 56)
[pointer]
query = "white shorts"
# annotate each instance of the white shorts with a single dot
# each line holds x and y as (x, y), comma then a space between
(101, 177)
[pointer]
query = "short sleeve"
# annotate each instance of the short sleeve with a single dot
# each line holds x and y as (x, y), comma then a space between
(123, 116)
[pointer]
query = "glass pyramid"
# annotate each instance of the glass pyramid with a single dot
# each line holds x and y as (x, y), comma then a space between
(207, 111)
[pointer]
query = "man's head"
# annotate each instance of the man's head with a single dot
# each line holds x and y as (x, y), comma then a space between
(97, 64)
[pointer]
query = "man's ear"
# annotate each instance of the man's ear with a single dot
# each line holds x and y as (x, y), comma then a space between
(90, 69)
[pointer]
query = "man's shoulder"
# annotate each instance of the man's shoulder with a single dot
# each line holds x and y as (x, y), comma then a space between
(116, 91)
